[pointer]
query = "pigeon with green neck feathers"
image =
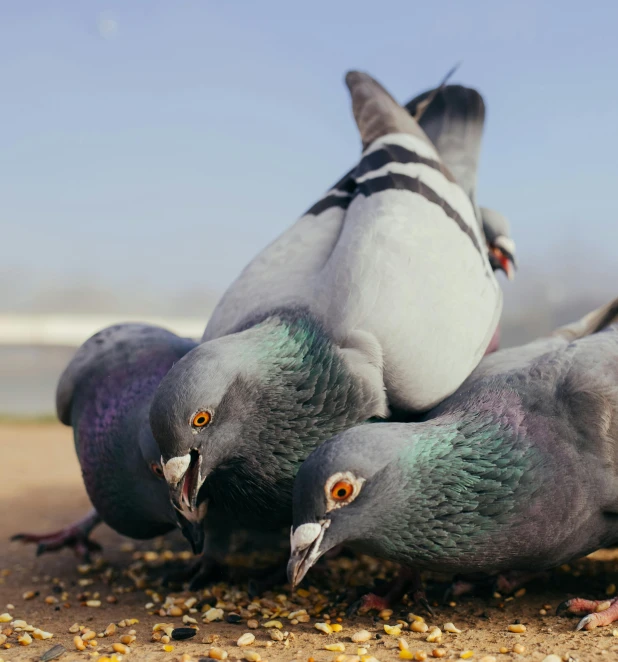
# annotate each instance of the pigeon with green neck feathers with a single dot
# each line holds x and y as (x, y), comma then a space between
(347, 316)
(518, 470)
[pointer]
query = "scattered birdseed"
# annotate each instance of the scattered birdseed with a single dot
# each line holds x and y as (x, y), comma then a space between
(488, 658)
(518, 648)
(5, 618)
(466, 655)
(128, 639)
(324, 627)
(552, 658)
(335, 647)
(504, 650)
(543, 612)
(217, 653)
(394, 630)
(252, 656)
(614, 633)
(402, 644)
(41, 634)
(214, 615)
(361, 637)
(361, 651)
(517, 628)
(438, 652)
(385, 614)
(88, 635)
(419, 626)
(53, 653)
(75, 628)
(185, 657)
(93, 603)
(602, 606)
(273, 624)
(405, 654)
(29, 595)
(25, 639)
(246, 639)
(252, 624)
(183, 633)
(336, 627)
(120, 648)
(160, 626)
(435, 636)
(168, 649)
(520, 593)
(450, 627)
(79, 644)
(276, 635)
(610, 590)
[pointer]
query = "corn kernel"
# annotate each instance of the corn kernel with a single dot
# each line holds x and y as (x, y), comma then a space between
(517, 628)
(393, 630)
(324, 627)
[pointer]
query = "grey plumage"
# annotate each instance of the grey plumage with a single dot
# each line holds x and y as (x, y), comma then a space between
(104, 394)
(518, 470)
(307, 341)
(454, 122)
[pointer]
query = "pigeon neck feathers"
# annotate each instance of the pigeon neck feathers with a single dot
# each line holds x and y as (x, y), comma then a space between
(308, 395)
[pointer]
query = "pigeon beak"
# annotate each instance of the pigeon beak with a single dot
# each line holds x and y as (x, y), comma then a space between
(502, 253)
(184, 477)
(193, 531)
(305, 543)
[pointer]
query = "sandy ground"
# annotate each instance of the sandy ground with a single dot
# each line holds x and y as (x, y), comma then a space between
(41, 490)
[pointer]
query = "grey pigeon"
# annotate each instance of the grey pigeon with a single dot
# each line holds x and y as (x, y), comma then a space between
(380, 297)
(454, 121)
(104, 394)
(518, 470)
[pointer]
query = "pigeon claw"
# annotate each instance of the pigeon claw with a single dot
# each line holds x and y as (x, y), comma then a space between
(65, 538)
(600, 612)
(368, 602)
(75, 537)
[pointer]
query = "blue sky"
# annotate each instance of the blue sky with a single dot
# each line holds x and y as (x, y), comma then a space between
(164, 143)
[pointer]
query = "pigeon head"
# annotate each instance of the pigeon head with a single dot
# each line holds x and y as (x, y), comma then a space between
(237, 415)
(341, 493)
(104, 394)
(499, 242)
(205, 411)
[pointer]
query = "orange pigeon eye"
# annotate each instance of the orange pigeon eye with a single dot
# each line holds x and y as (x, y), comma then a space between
(201, 419)
(342, 490)
(156, 469)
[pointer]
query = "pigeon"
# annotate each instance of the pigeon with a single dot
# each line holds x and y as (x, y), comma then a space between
(454, 121)
(517, 471)
(348, 316)
(104, 394)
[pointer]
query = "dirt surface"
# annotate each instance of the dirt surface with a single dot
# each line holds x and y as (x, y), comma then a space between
(41, 490)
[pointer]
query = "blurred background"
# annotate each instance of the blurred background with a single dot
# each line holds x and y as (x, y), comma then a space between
(150, 149)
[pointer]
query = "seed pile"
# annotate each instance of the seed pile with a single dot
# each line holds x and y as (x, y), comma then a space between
(225, 622)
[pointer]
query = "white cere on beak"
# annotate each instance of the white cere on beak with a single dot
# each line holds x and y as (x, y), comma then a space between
(505, 243)
(304, 535)
(176, 468)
